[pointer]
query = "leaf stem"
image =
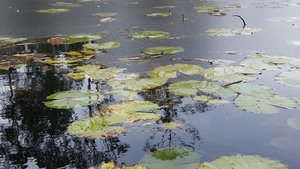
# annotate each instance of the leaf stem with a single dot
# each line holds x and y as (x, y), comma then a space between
(242, 20)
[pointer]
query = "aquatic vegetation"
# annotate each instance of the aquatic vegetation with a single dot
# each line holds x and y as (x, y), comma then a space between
(52, 10)
(243, 161)
(149, 35)
(163, 50)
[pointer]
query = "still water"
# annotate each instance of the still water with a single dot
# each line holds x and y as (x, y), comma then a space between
(35, 136)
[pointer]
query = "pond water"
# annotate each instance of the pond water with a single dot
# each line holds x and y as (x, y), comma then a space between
(33, 135)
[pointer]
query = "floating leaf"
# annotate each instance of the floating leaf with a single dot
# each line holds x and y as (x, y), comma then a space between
(209, 100)
(65, 4)
(213, 10)
(105, 15)
(231, 74)
(170, 71)
(127, 95)
(8, 40)
(108, 19)
(137, 84)
(291, 78)
(171, 125)
(171, 157)
(243, 162)
(72, 98)
(261, 99)
(102, 46)
(76, 38)
(62, 61)
(294, 122)
(269, 62)
(225, 32)
(52, 10)
(163, 50)
(74, 53)
(93, 73)
(158, 14)
(112, 165)
(97, 127)
(191, 87)
(135, 110)
(149, 34)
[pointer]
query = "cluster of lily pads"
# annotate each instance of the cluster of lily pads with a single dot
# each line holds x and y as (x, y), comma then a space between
(178, 158)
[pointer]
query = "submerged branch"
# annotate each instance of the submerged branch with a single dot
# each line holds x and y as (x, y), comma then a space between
(242, 20)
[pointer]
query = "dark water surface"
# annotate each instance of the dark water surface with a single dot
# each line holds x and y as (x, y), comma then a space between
(34, 136)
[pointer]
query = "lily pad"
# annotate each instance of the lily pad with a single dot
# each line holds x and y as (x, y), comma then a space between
(52, 10)
(171, 125)
(8, 40)
(294, 122)
(170, 71)
(171, 157)
(76, 38)
(213, 10)
(192, 87)
(243, 162)
(65, 4)
(72, 99)
(269, 62)
(105, 15)
(97, 127)
(112, 165)
(291, 78)
(226, 32)
(163, 50)
(262, 99)
(158, 14)
(135, 110)
(149, 34)
(63, 61)
(210, 100)
(102, 46)
(231, 74)
(93, 73)
(137, 84)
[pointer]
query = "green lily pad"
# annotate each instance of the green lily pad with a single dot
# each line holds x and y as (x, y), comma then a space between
(294, 122)
(243, 162)
(76, 38)
(210, 100)
(65, 4)
(163, 50)
(158, 14)
(171, 125)
(149, 34)
(262, 99)
(172, 157)
(137, 84)
(72, 99)
(102, 46)
(291, 78)
(5, 67)
(135, 110)
(52, 10)
(8, 40)
(105, 15)
(231, 74)
(225, 32)
(97, 127)
(170, 71)
(101, 74)
(269, 62)
(62, 61)
(213, 10)
(191, 87)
